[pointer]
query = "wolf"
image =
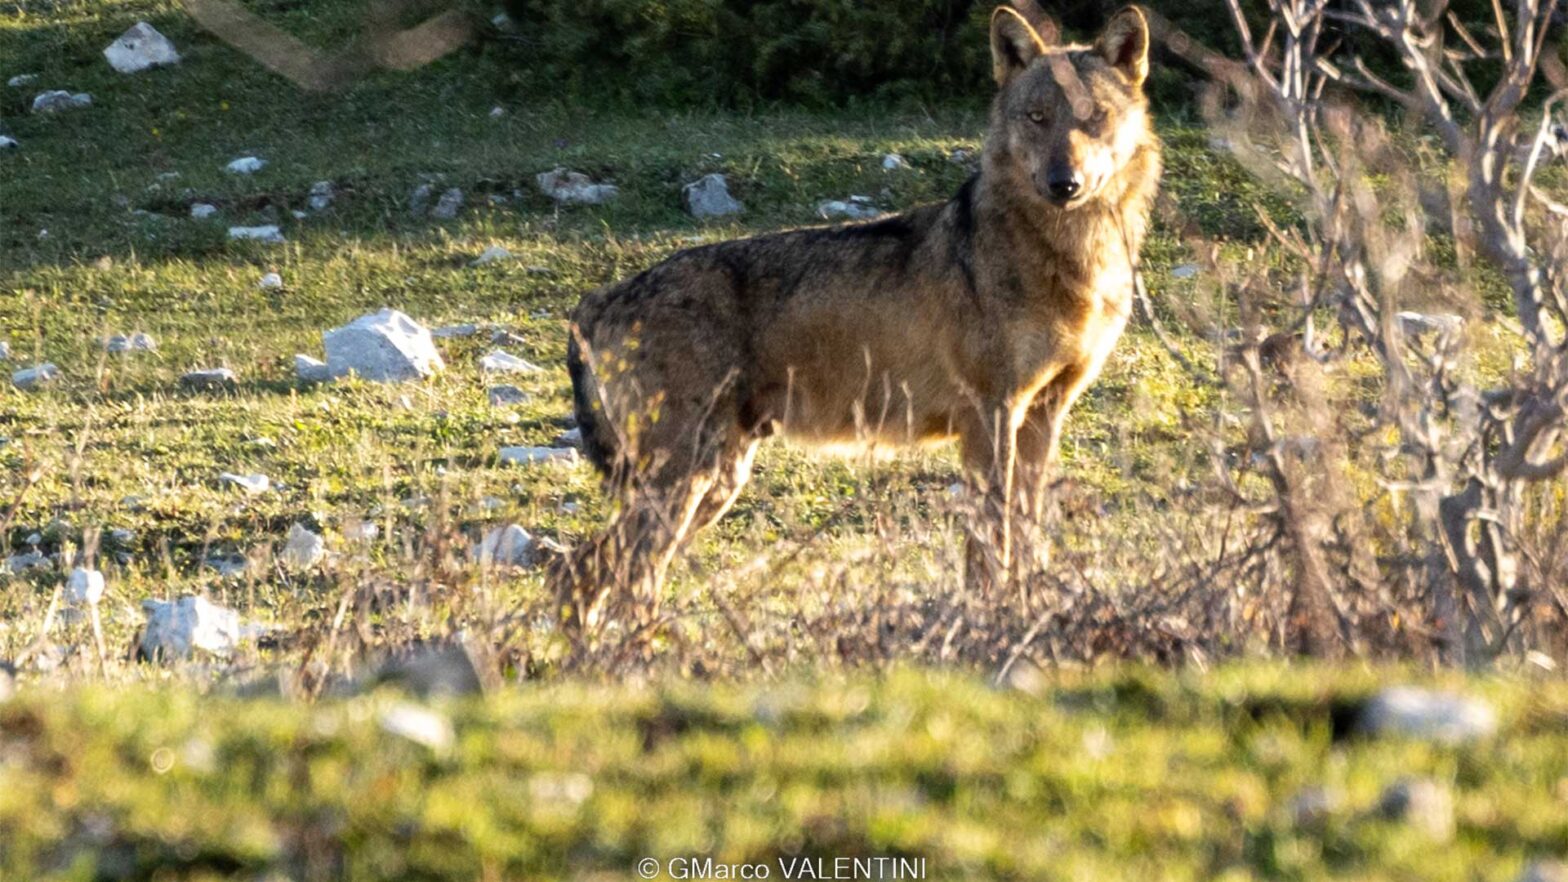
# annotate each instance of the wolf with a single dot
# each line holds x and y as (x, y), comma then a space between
(981, 319)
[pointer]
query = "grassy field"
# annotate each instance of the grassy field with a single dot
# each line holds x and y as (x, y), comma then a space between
(1232, 774)
(745, 739)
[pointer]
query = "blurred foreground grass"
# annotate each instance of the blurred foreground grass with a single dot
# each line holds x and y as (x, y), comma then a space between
(1123, 774)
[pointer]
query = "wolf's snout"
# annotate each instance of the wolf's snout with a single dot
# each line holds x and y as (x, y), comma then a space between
(1063, 184)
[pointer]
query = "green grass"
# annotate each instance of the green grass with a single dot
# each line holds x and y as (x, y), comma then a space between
(1107, 776)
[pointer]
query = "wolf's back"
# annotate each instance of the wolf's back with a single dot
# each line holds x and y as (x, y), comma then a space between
(597, 444)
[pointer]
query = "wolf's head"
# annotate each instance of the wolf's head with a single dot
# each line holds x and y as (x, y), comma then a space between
(1067, 119)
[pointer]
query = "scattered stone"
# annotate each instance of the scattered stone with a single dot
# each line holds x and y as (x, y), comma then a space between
(461, 667)
(311, 370)
(227, 566)
(34, 377)
(122, 537)
(570, 438)
(961, 156)
(1416, 324)
(270, 282)
(497, 112)
(709, 196)
(446, 332)
(1537, 871)
(1313, 806)
(304, 549)
(139, 49)
(137, 342)
(501, 362)
(853, 208)
(385, 346)
(1421, 802)
(447, 207)
(1422, 713)
(419, 725)
(21, 80)
(208, 379)
(56, 100)
(5, 351)
(245, 165)
(21, 563)
(574, 188)
(503, 337)
(419, 200)
(322, 194)
(502, 21)
(361, 531)
(491, 255)
(505, 396)
(203, 210)
(8, 143)
(508, 546)
(525, 455)
(251, 484)
(84, 586)
(176, 629)
(1184, 271)
(267, 233)
(894, 162)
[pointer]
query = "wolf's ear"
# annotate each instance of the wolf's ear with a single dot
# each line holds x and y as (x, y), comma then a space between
(1013, 44)
(1124, 44)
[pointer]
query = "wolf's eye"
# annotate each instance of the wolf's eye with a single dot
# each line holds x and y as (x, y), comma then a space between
(1036, 116)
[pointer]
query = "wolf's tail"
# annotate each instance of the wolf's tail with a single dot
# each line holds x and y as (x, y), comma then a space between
(598, 445)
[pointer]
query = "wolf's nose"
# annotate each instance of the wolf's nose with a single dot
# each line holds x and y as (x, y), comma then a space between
(1064, 186)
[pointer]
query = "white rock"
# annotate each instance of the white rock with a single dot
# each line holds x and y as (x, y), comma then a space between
(525, 455)
(446, 332)
(122, 536)
(5, 350)
(268, 233)
(709, 196)
(245, 165)
(497, 112)
(208, 378)
(270, 282)
(251, 484)
(177, 629)
(361, 531)
(1184, 271)
(8, 143)
(853, 208)
(420, 198)
(570, 438)
(1444, 324)
(137, 342)
(498, 361)
(21, 563)
(503, 396)
(569, 187)
(385, 346)
(322, 194)
(961, 156)
(203, 210)
(84, 586)
(1422, 713)
(311, 370)
(419, 725)
(56, 100)
(33, 377)
(894, 162)
(140, 48)
(21, 80)
(491, 255)
(1422, 803)
(304, 549)
(447, 207)
(228, 566)
(508, 546)
(1544, 871)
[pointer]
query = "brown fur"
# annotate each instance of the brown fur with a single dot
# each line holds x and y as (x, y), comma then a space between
(982, 318)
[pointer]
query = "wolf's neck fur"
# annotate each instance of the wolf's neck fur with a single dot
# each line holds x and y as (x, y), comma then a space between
(1037, 241)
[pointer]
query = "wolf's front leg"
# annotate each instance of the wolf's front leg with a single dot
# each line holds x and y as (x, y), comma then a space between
(990, 460)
